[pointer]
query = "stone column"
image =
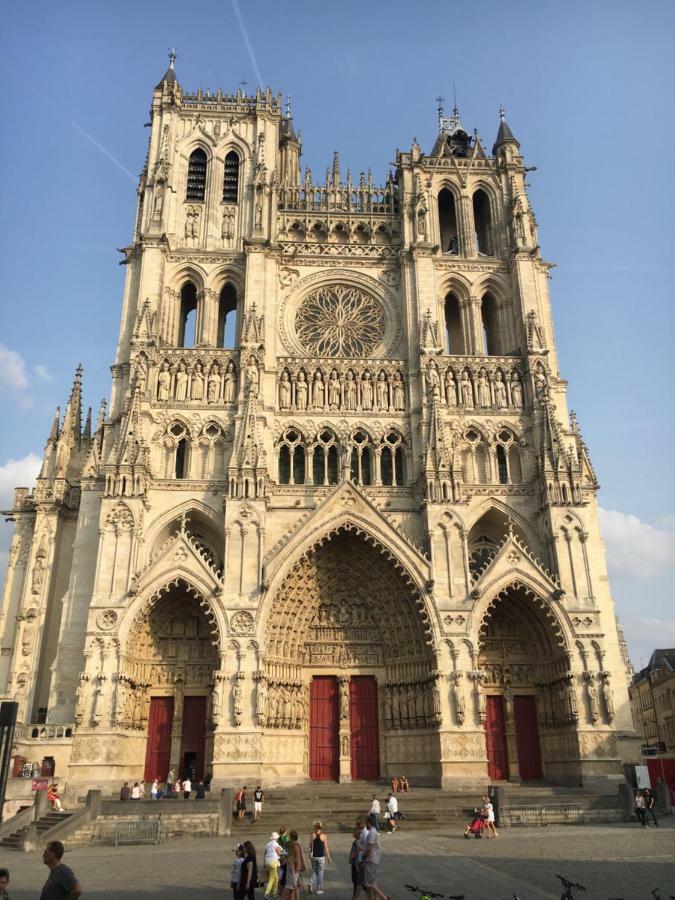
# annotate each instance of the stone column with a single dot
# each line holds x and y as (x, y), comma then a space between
(345, 732)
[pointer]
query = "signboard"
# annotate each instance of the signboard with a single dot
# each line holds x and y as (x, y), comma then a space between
(39, 784)
(642, 778)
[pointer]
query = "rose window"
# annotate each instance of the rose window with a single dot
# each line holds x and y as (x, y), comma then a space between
(339, 321)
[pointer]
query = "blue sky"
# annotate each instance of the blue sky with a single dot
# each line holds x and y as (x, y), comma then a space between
(588, 90)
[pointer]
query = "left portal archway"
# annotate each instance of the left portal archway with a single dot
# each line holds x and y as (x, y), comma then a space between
(167, 679)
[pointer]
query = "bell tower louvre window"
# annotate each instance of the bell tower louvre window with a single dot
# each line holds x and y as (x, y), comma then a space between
(196, 180)
(231, 178)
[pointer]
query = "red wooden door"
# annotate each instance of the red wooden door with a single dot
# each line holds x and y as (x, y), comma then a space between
(194, 737)
(324, 729)
(158, 748)
(363, 723)
(495, 738)
(527, 737)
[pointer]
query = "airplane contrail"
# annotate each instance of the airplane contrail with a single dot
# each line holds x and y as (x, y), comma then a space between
(244, 34)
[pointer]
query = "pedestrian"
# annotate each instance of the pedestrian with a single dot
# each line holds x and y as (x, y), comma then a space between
(394, 784)
(178, 788)
(295, 866)
(650, 806)
(249, 873)
(371, 860)
(392, 809)
(53, 797)
(375, 811)
(273, 851)
(240, 799)
(125, 791)
(154, 790)
(136, 792)
(4, 884)
(201, 791)
(208, 778)
(400, 784)
(284, 841)
(235, 873)
(405, 787)
(489, 814)
(187, 788)
(640, 809)
(354, 859)
(257, 803)
(170, 781)
(61, 882)
(319, 853)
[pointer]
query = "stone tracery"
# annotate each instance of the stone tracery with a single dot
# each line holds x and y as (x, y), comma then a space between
(339, 321)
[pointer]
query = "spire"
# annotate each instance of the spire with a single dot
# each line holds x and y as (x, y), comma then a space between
(86, 434)
(101, 415)
(72, 420)
(287, 130)
(170, 74)
(336, 168)
(504, 135)
(54, 433)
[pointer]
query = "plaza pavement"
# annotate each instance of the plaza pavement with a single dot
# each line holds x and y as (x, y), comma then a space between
(621, 860)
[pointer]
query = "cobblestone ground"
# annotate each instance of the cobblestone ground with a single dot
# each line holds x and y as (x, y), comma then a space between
(613, 861)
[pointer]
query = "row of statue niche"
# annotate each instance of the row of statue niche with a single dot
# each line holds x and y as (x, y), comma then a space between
(412, 705)
(281, 705)
(480, 391)
(351, 392)
(184, 382)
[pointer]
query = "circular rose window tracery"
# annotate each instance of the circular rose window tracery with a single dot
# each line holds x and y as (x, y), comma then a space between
(339, 321)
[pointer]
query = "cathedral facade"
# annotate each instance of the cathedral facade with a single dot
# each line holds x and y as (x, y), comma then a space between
(336, 521)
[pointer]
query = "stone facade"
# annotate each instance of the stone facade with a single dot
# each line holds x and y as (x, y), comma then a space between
(337, 444)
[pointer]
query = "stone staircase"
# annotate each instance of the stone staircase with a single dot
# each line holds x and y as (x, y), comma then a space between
(14, 841)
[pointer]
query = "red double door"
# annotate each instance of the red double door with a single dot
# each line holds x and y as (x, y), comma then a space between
(324, 728)
(527, 738)
(158, 748)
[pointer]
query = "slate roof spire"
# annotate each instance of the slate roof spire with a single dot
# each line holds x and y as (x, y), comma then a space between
(504, 135)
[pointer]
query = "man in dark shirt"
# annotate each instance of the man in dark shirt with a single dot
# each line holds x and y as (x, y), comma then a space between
(61, 883)
(257, 803)
(125, 793)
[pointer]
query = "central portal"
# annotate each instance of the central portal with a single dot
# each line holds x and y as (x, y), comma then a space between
(327, 713)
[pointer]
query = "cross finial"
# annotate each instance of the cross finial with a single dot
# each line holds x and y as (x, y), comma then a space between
(172, 56)
(502, 114)
(288, 107)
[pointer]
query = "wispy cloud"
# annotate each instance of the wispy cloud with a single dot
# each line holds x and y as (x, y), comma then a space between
(43, 373)
(247, 42)
(13, 374)
(14, 473)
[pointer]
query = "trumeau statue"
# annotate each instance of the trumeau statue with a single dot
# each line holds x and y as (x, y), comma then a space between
(350, 489)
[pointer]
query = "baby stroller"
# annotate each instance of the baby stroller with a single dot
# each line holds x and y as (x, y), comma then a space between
(475, 826)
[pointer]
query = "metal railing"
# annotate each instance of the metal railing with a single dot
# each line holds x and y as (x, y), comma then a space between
(142, 831)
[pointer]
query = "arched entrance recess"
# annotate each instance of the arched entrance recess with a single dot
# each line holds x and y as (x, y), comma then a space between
(349, 659)
(530, 701)
(166, 680)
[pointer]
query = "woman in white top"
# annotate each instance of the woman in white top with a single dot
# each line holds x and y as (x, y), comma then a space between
(136, 791)
(273, 851)
(154, 790)
(489, 813)
(187, 788)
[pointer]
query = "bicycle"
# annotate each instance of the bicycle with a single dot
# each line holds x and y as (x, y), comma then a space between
(569, 888)
(431, 895)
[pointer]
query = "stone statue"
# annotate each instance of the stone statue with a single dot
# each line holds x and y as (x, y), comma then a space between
(500, 391)
(366, 391)
(344, 699)
(434, 382)
(334, 391)
(592, 692)
(397, 398)
(540, 383)
(38, 576)
(197, 386)
(458, 697)
(450, 388)
(318, 391)
(252, 378)
(382, 392)
(483, 390)
(181, 383)
(164, 382)
(350, 392)
(301, 391)
(284, 391)
(230, 394)
(213, 387)
(467, 391)
(261, 700)
(158, 202)
(516, 391)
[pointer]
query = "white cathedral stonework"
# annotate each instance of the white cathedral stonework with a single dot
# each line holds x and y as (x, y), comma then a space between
(337, 521)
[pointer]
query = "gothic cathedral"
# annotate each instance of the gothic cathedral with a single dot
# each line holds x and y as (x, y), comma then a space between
(337, 522)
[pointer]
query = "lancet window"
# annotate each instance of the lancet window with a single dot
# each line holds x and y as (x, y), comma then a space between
(392, 464)
(474, 458)
(227, 318)
(196, 179)
(489, 314)
(291, 458)
(361, 459)
(454, 334)
(187, 323)
(447, 222)
(231, 178)
(482, 220)
(325, 467)
(180, 450)
(509, 466)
